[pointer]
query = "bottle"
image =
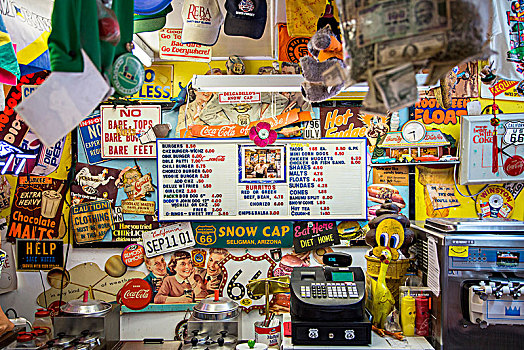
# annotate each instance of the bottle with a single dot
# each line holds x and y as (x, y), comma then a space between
(43, 321)
(407, 315)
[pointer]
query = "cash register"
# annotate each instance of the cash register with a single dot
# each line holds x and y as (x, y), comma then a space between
(327, 304)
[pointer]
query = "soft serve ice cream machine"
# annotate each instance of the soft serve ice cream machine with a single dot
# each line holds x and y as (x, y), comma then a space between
(480, 304)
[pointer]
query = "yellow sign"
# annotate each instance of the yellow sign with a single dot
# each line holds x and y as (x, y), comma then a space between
(158, 84)
(495, 202)
(458, 251)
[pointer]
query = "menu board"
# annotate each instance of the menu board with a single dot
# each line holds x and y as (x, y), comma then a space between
(289, 180)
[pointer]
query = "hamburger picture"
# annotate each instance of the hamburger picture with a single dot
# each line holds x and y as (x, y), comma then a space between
(286, 265)
(348, 230)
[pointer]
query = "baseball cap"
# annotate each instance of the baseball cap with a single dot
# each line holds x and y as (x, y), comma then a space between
(150, 7)
(150, 23)
(246, 18)
(202, 21)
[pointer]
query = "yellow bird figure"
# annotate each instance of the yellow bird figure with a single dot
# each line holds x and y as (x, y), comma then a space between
(383, 301)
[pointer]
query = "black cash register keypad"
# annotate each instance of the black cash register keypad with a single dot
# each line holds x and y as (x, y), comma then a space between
(330, 290)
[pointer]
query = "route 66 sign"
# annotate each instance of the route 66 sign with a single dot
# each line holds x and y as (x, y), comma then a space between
(514, 133)
(205, 234)
(238, 273)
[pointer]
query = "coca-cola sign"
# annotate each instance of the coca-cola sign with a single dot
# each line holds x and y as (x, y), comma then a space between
(135, 294)
(133, 255)
(514, 166)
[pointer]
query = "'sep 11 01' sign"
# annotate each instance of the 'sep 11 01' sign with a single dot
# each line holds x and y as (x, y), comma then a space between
(168, 239)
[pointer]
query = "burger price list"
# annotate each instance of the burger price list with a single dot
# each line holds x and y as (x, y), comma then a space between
(197, 179)
(324, 179)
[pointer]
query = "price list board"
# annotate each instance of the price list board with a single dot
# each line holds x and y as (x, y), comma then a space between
(228, 180)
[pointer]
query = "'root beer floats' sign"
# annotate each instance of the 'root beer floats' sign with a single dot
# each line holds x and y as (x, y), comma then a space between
(121, 127)
(36, 210)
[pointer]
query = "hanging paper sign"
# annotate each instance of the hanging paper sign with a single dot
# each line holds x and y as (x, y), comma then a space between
(49, 158)
(238, 271)
(221, 180)
(133, 255)
(442, 196)
(235, 130)
(93, 182)
(239, 97)
(311, 235)
(168, 239)
(495, 202)
(158, 84)
(90, 134)
(91, 221)
(135, 294)
(131, 231)
(121, 127)
(37, 208)
(12, 128)
(34, 255)
(243, 234)
(172, 49)
(138, 207)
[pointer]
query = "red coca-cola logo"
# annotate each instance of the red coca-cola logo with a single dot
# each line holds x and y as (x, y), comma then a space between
(135, 294)
(133, 255)
(514, 166)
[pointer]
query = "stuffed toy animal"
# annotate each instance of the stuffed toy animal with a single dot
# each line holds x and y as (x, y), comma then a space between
(326, 53)
(390, 230)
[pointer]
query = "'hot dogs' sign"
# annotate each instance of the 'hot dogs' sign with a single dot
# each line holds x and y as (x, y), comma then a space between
(121, 127)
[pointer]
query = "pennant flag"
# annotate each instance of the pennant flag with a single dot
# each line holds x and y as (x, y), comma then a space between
(291, 49)
(28, 23)
(303, 15)
(9, 69)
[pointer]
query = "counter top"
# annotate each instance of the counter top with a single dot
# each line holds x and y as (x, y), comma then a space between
(139, 345)
(377, 342)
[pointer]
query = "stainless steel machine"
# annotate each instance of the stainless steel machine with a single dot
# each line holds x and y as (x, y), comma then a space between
(481, 300)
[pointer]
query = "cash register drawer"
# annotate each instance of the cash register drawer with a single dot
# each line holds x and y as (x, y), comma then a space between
(333, 333)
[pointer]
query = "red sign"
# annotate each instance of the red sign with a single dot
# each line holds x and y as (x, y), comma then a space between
(502, 86)
(514, 166)
(135, 294)
(133, 255)
(12, 128)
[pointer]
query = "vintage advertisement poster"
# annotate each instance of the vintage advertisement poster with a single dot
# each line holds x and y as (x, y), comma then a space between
(172, 49)
(32, 255)
(121, 126)
(342, 122)
(221, 180)
(36, 208)
(90, 133)
(131, 231)
(243, 234)
(93, 182)
(442, 196)
(91, 221)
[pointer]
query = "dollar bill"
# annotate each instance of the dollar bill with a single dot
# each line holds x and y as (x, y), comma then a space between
(373, 103)
(335, 75)
(413, 49)
(397, 19)
(397, 86)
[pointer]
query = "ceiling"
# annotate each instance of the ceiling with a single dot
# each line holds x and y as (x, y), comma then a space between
(263, 48)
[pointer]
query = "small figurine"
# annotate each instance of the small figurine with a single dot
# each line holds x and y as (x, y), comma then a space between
(383, 301)
(235, 66)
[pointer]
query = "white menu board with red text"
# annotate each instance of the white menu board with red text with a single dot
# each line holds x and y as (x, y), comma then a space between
(289, 180)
